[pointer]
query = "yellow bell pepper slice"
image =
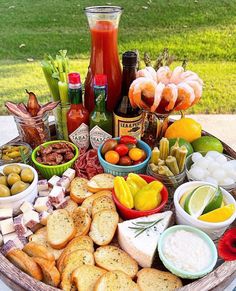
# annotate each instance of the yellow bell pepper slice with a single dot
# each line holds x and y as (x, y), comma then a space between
(137, 179)
(123, 192)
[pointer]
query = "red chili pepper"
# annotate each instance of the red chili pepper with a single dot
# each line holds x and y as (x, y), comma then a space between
(128, 139)
(122, 149)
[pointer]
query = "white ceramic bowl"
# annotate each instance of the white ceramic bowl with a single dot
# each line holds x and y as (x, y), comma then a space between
(214, 230)
(29, 194)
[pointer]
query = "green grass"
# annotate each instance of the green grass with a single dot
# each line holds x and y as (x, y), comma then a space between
(202, 30)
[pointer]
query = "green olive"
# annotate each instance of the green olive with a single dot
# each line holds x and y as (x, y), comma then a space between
(14, 168)
(18, 187)
(27, 175)
(3, 180)
(12, 178)
(4, 191)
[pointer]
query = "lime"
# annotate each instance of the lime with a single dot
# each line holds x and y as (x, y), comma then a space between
(206, 144)
(219, 215)
(198, 199)
(215, 203)
(183, 198)
(181, 142)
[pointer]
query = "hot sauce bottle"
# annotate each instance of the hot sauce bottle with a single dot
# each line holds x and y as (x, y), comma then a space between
(127, 120)
(100, 118)
(78, 115)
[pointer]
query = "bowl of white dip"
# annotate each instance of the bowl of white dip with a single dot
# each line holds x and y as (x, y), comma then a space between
(213, 229)
(187, 251)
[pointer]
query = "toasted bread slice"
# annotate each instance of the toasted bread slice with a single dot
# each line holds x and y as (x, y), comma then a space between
(103, 227)
(78, 190)
(101, 182)
(88, 202)
(33, 249)
(150, 279)
(71, 206)
(82, 221)
(71, 262)
(77, 243)
(51, 275)
(115, 281)
(112, 258)
(102, 203)
(85, 277)
(40, 237)
(60, 229)
(22, 261)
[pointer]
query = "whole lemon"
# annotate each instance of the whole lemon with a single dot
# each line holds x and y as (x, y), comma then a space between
(186, 128)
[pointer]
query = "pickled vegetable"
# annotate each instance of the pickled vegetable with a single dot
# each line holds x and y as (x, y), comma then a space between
(164, 148)
(12, 169)
(12, 178)
(4, 191)
(18, 187)
(13, 152)
(27, 175)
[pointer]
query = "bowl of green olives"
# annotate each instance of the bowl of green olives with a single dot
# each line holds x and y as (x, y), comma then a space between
(18, 183)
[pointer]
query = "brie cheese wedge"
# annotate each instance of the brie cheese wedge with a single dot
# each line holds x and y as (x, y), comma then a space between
(142, 246)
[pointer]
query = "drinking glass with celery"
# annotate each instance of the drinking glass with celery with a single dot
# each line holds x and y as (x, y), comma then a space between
(56, 74)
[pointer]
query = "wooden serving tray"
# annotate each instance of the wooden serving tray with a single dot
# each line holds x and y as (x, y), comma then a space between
(217, 280)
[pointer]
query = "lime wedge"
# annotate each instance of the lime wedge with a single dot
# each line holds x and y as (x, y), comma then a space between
(215, 203)
(198, 199)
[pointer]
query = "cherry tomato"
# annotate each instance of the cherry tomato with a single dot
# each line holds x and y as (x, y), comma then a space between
(121, 149)
(125, 161)
(144, 155)
(112, 157)
(136, 154)
(137, 162)
(108, 145)
(128, 139)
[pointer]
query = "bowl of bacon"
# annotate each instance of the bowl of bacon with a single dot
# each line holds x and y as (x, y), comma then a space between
(54, 157)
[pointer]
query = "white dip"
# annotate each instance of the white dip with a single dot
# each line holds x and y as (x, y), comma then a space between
(187, 251)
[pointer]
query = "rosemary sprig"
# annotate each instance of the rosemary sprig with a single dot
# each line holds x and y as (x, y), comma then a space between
(141, 226)
(23, 156)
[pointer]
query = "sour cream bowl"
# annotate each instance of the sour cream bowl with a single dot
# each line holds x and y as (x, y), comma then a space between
(187, 251)
(213, 229)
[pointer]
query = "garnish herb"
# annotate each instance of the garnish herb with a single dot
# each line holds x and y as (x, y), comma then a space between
(141, 226)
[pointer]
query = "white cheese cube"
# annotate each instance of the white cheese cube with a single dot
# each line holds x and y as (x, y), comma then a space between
(63, 203)
(42, 204)
(142, 247)
(64, 182)
(19, 225)
(9, 236)
(42, 185)
(69, 173)
(44, 193)
(7, 226)
(6, 213)
(26, 206)
(56, 195)
(31, 218)
(53, 180)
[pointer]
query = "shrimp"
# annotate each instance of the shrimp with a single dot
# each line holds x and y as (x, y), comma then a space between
(157, 96)
(191, 76)
(141, 86)
(148, 72)
(185, 96)
(163, 75)
(170, 94)
(176, 76)
(197, 88)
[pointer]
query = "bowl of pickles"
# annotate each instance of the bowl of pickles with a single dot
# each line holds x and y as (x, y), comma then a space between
(18, 183)
(167, 163)
(15, 152)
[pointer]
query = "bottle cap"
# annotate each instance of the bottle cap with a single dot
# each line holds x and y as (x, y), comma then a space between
(100, 80)
(74, 78)
(129, 59)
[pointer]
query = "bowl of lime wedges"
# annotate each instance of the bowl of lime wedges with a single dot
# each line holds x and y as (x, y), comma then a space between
(205, 206)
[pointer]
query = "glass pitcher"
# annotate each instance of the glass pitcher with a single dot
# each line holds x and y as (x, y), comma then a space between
(103, 22)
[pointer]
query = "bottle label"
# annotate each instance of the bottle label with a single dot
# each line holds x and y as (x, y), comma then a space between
(128, 126)
(80, 137)
(98, 136)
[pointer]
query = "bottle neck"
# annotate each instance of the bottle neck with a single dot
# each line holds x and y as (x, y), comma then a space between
(100, 96)
(75, 94)
(129, 75)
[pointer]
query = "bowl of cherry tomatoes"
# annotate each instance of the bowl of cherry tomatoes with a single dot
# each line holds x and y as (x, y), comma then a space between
(120, 156)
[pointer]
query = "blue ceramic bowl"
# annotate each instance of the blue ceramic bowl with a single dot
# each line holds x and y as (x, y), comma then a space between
(117, 170)
(182, 273)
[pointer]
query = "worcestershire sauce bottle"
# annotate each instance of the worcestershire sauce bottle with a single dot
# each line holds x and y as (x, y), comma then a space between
(127, 120)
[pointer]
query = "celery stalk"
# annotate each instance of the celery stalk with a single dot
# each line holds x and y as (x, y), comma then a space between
(52, 83)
